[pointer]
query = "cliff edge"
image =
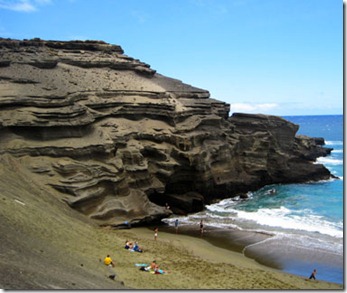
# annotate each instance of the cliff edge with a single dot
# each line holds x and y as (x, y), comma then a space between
(115, 140)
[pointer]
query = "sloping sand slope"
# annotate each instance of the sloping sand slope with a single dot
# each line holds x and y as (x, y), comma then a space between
(47, 245)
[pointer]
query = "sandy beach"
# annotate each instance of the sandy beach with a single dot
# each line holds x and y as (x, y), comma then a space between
(47, 245)
(194, 263)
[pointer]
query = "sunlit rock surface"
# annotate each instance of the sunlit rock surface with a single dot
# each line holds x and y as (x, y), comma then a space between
(117, 141)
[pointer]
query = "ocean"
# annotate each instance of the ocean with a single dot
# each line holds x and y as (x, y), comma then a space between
(304, 222)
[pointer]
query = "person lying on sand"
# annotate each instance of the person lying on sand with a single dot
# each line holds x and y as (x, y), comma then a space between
(128, 244)
(153, 268)
(133, 246)
(146, 267)
(137, 248)
(153, 265)
(157, 270)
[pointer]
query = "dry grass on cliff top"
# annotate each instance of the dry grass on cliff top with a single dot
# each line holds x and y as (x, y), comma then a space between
(46, 245)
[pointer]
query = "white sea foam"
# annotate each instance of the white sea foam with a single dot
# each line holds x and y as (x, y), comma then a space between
(334, 142)
(302, 242)
(309, 235)
(279, 219)
(226, 205)
(329, 161)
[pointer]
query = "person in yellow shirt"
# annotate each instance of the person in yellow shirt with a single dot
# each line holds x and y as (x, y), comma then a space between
(108, 260)
(110, 265)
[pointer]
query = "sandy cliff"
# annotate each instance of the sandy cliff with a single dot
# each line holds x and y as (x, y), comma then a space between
(115, 140)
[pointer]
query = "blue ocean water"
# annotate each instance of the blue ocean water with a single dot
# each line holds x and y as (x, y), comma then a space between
(305, 220)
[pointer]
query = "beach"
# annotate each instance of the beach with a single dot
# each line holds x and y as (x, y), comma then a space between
(47, 245)
(69, 255)
(195, 263)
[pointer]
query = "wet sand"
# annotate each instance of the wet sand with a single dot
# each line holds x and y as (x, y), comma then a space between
(47, 245)
(269, 251)
(194, 262)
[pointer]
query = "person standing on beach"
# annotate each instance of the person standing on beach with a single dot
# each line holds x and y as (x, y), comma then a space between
(176, 225)
(313, 275)
(110, 265)
(155, 234)
(201, 228)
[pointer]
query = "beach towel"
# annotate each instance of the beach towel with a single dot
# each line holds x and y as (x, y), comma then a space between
(146, 267)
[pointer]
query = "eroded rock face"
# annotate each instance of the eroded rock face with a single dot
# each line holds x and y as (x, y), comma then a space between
(118, 140)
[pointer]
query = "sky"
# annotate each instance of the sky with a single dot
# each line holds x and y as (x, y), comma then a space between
(277, 57)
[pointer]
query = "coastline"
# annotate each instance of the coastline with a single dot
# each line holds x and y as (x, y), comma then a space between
(266, 250)
(39, 227)
(195, 262)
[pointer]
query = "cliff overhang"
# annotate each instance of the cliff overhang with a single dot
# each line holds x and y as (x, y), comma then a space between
(116, 140)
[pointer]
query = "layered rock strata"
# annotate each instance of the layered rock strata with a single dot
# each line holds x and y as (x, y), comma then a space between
(117, 140)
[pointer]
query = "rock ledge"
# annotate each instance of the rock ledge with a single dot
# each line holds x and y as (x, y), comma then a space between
(117, 140)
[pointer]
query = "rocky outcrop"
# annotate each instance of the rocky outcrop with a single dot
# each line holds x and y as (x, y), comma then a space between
(117, 140)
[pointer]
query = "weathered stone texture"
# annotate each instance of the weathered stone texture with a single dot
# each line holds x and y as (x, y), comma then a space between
(118, 140)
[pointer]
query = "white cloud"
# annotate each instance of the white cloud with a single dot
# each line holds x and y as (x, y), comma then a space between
(252, 108)
(140, 16)
(22, 5)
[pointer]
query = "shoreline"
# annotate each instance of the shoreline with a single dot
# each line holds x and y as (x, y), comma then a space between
(252, 246)
(195, 263)
(45, 228)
